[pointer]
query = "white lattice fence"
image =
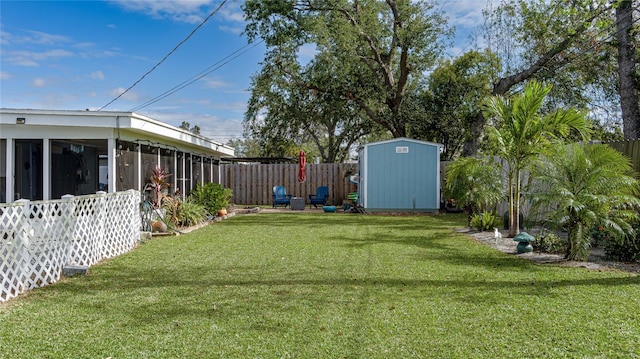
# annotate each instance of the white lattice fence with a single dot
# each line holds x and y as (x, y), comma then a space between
(37, 239)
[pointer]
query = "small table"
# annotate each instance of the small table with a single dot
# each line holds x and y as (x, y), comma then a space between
(297, 203)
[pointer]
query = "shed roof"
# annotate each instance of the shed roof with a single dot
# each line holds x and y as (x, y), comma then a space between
(403, 139)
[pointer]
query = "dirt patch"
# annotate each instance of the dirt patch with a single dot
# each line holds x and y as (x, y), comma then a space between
(596, 260)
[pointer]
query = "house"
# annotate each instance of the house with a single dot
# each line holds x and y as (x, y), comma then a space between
(399, 175)
(45, 154)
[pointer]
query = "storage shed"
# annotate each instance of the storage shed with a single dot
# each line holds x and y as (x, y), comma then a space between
(399, 175)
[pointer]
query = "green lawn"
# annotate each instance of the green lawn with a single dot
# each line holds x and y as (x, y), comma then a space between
(322, 285)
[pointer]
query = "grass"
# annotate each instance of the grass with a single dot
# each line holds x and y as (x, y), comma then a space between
(326, 286)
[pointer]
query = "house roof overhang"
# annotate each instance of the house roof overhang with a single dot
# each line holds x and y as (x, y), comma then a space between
(129, 126)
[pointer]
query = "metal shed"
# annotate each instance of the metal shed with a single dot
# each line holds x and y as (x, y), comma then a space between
(399, 175)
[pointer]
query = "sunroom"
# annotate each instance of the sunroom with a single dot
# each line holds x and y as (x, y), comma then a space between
(45, 154)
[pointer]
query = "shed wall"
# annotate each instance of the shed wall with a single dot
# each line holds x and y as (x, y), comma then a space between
(395, 180)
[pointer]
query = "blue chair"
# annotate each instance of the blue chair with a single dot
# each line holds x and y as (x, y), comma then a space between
(320, 198)
(280, 196)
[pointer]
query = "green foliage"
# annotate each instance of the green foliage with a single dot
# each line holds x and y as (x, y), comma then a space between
(185, 125)
(549, 243)
(367, 55)
(191, 213)
(626, 251)
(485, 221)
(520, 132)
(183, 213)
(625, 248)
(443, 110)
(212, 196)
(475, 183)
(578, 187)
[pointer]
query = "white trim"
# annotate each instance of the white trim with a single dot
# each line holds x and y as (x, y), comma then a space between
(112, 152)
(403, 139)
(11, 171)
(46, 168)
(363, 177)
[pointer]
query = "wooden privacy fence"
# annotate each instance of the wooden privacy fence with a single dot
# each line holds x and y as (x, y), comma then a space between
(253, 183)
(630, 149)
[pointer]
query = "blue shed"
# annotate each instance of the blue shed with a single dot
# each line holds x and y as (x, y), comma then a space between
(399, 175)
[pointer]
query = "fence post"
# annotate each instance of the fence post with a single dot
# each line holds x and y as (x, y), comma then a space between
(69, 220)
(135, 220)
(22, 245)
(99, 218)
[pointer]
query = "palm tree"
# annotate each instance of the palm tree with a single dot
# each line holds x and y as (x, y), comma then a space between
(579, 187)
(520, 133)
(474, 183)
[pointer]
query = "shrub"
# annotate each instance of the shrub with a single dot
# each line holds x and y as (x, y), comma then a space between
(212, 196)
(625, 249)
(191, 213)
(549, 243)
(484, 221)
(183, 214)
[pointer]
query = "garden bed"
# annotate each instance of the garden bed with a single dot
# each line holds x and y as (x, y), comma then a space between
(596, 260)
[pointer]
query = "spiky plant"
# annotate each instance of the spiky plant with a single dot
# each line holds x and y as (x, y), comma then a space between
(582, 186)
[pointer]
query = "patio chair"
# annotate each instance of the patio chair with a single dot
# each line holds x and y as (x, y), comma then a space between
(320, 198)
(280, 196)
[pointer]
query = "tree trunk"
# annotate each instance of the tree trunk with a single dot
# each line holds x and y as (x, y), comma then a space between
(504, 84)
(628, 82)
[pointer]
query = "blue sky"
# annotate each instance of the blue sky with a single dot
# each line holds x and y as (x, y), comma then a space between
(77, 55)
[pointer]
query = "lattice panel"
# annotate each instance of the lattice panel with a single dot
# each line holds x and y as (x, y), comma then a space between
(48, 239)
(121, 225)
(88, 230)
(13, 257)
(37, 239)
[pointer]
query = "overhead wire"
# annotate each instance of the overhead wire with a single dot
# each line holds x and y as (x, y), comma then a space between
(232, 56)
(167, 55)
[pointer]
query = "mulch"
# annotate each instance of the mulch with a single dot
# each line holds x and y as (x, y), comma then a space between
(596, 260)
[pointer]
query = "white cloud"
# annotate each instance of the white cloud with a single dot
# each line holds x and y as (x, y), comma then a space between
(236, 30)
(130, 95)
(36, 37)
(214, 83)
(218, 129)
(5, 75)
(97, 75)
(33, 58)
(189, 11)
(38, 82)
(231, 12)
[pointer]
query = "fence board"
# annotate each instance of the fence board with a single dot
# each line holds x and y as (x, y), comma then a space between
(252, 184)
(630, 149)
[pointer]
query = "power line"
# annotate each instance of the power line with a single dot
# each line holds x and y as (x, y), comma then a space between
(167, 55)
(232, 56)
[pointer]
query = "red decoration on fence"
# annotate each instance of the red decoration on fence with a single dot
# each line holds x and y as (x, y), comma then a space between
(302, 161)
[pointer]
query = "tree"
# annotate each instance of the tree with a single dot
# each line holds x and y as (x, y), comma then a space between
(245, 147)
(376, 47)
(520, 133)
(474, 183)
(558, 42)
(279, 109)
(445, 107)
(187, 126)
(580, 187)
(628, 70)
